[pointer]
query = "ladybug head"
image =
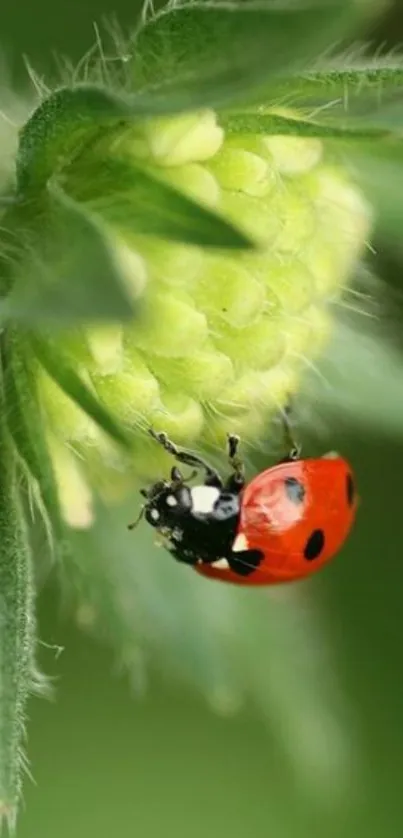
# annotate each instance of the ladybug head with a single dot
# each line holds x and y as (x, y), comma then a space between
(166, 503)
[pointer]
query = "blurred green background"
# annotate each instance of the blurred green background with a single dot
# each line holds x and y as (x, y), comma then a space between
(108, 763)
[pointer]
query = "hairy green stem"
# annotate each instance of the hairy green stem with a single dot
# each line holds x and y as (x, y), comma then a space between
(17, 628)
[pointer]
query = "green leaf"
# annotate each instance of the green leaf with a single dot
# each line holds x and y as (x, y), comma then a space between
(70, 382)
(269, 123)
(17, 635)
(68, 274)
(25, 423)
(204, 53)
(135, 201)
(366, 95)
(58, 129)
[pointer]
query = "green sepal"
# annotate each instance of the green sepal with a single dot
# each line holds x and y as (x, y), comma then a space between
(365, 95)
(203, 53)
(65, 122)
(25, 422)
(66, 272)
(136, 201)
(259, 122)
(59, 368)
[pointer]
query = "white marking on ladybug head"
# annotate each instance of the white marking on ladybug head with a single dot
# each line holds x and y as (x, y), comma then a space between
(220, 564)
(154, 514)
(240, 543)
(331, 455)
(171, 501)
(203, 499)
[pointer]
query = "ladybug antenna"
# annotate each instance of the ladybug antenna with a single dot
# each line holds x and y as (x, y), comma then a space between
(135, 523)
(138, 519)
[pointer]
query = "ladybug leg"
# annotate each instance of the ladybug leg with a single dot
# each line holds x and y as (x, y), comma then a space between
(188, 458)
(236, 481)
(293, 447)
(177, 478)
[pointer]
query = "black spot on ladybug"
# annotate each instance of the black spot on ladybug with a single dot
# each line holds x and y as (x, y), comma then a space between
(294, 489)
(314, 545)
(350, 490)
(245, 562)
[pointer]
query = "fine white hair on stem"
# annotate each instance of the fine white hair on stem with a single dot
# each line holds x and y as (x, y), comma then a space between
(38, 83)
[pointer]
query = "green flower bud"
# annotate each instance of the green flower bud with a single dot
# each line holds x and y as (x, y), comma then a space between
(292, 158)
(170, 325)
(134, 393)
(243, 171)
(202, 375)
(220, 340)
(258, 346)
(259, 218)
(188, 138)
(196, 181)
(228, 293)
(182, 416)
(105, 344)
(170, 264)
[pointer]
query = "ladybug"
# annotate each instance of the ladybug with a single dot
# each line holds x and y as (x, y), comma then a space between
(283, 525)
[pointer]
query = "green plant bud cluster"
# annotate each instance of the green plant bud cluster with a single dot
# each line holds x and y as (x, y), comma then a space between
(222, 340)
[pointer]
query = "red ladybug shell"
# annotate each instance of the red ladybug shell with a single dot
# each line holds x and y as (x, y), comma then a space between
(298, 514)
